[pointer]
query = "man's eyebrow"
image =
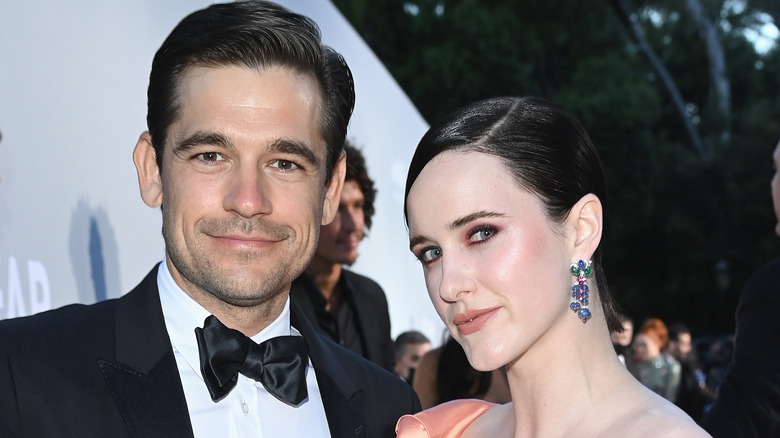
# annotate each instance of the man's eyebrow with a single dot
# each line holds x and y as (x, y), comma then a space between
(202, 138)
(298, 148)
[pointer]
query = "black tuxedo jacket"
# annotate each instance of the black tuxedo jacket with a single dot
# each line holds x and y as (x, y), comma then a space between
(748, 402)
(370, 308)
(108, 370)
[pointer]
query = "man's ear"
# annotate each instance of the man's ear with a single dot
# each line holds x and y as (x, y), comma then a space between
(145, 159)
(330, 204)
(587, 219)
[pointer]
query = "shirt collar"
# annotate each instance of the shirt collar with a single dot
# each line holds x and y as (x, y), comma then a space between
(183, 314)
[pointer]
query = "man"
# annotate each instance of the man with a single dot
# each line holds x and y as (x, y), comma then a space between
(410, 347)
(247, 113)
(347, 307)
(748, 403)
(621, 341)
(693, 394)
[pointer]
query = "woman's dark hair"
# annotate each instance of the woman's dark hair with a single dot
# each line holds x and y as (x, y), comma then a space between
(544, 147)
(456, 378)
(251, 34)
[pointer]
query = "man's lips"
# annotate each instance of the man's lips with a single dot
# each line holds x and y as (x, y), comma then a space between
(351, 239)
(241, 241)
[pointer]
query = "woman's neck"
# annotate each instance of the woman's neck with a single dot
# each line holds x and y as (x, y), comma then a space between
(557, 383)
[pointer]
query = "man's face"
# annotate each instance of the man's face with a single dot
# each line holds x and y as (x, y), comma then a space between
(339, 239)
(624, 338)
(776, 187)
(410, 360)
(682, 347)
(243, 184)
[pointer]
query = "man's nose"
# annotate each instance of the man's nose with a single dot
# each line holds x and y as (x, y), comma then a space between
(248, 192)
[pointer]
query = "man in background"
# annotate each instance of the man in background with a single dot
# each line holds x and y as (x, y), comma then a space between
(748, 403)
(621, 341)
(410, 347)
(694, 394)
(347, 307)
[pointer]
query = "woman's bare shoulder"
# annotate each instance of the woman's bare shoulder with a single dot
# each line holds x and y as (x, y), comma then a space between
(655, 417)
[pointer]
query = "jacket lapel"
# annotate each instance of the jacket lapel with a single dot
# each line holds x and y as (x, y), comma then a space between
(145, 380)
(341, 396)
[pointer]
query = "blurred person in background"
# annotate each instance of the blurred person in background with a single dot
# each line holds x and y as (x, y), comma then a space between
(622, 340)
(410, 347)
(445, 374)
(349, 308)
(650, 365)
(693, 393)
(748, 402)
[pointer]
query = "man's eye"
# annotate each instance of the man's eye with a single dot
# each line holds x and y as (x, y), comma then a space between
(285, 165)
(210, 156)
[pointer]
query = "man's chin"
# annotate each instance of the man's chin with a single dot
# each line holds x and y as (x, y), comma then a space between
(349, 260)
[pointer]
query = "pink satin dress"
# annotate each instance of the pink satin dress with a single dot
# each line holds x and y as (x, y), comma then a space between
(447, 420)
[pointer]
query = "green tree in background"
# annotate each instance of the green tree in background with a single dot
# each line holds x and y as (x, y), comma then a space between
(689, 213)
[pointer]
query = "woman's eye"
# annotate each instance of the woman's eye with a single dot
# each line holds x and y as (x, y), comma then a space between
(285, 165)
(482, 233)
(430, 254)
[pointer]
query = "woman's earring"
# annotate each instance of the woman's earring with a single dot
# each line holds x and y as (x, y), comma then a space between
(579, 292)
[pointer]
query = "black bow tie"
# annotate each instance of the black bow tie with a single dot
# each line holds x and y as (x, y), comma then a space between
(278, 363)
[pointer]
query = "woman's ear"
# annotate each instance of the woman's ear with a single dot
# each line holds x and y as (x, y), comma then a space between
(332, 198)
(586, 217)
(145, 159)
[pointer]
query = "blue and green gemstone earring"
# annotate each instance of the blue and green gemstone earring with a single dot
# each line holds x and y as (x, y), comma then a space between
(579, 292)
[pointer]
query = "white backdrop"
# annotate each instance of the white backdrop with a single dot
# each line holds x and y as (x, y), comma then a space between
(73, 78)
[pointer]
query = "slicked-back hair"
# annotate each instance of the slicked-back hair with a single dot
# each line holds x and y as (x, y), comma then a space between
(543, 147)
(255, 35)
(358, 172)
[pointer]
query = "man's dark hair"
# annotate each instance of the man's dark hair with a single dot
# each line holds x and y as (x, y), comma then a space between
(357, 171)
(676, 329)
(255, 35)
(406, 338)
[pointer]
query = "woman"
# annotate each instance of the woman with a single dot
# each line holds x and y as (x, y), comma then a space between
(650, 365)
(503, 205)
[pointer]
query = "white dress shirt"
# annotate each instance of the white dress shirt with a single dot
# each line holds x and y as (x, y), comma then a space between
(249, 410)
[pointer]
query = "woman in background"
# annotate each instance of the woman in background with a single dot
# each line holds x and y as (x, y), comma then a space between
(504, 209)
(650, 365)
(445, 374)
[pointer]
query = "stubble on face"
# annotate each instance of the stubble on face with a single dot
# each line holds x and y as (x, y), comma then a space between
(230, 241)
(199, 267)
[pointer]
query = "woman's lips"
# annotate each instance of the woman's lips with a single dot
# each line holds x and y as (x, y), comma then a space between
(473, 320)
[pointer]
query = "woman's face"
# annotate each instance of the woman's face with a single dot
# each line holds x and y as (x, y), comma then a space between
(496, 268)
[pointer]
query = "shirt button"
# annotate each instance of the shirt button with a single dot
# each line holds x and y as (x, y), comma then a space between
(245, 407)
